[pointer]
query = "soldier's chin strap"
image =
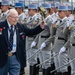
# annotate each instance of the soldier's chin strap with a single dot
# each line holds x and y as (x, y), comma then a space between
(62, 66)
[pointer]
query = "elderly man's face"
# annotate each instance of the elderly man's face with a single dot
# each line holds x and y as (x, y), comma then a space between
(13, 19)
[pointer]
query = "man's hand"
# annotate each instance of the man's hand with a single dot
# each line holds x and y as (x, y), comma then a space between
(43, 24)
(43, 45)
(62, 50)
(33, 44)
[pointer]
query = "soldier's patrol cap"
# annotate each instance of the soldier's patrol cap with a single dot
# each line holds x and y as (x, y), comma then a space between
(46, 6)
(5, 3)
(33, 6)
(56, 5)
(19, 5)
(52, 5)
(62, 7)
(70, 7)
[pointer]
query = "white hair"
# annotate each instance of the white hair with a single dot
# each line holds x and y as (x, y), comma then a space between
(12, 12)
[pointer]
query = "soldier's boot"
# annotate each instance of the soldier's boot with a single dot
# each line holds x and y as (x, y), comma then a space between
(52, 68)
(43, 71)
(31, 70)
(22, 72)
(34, 70)
(47, 71)
(65, 73)
(37, 70)
(58, 73)
(69, 70)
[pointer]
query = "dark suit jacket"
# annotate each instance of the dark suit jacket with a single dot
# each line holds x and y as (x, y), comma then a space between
(21, 32)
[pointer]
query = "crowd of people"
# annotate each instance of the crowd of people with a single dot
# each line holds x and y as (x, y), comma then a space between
(44, 37)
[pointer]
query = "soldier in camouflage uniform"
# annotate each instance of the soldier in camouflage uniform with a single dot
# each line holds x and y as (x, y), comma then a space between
(4, 9)
(32, 22)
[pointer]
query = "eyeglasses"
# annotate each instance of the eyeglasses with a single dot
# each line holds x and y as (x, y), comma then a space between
(14, 17)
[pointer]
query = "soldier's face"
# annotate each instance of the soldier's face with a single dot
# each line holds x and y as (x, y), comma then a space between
(61, 14)
(4, 8)
(19, 10)
(30, 12)
(68, 13)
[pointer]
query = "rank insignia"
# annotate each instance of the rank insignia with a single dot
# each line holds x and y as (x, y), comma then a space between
(54, 25)
(35, 22)
(69, 27)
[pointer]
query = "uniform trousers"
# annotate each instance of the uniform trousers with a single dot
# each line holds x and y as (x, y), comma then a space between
(44, 55)
(73, 67)
(63, 59)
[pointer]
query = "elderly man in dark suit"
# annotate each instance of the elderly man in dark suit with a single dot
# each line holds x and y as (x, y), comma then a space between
(12, 43)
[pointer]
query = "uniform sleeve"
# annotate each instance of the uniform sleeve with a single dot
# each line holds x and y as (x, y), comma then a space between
(49, 40)
(67, 44)
(37, 38)
(33, 31)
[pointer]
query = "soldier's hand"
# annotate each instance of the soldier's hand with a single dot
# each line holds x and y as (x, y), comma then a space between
(62, 50)
(43, 45)
(33, 44)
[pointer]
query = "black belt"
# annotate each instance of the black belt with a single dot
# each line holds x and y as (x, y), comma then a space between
(61, 38)
(10, 53)
(73, 44)
(32, 36)
(44, 36)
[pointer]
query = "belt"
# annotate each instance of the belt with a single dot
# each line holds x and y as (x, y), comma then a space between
(10, 53)
(61, 38)
(44, 36)
(32, 36)
(73, 44)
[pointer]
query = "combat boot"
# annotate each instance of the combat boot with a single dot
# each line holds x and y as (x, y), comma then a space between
(43, 71)
(65, 73)
(58, 73)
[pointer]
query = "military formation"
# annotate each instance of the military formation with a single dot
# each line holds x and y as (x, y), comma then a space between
(52, 50)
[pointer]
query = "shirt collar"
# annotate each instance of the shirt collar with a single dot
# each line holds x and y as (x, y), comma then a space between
(47, 17)
(34, 16)
(5, 13)
(53, 14)
(64, 18)
(9, 25)
(21, 14)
